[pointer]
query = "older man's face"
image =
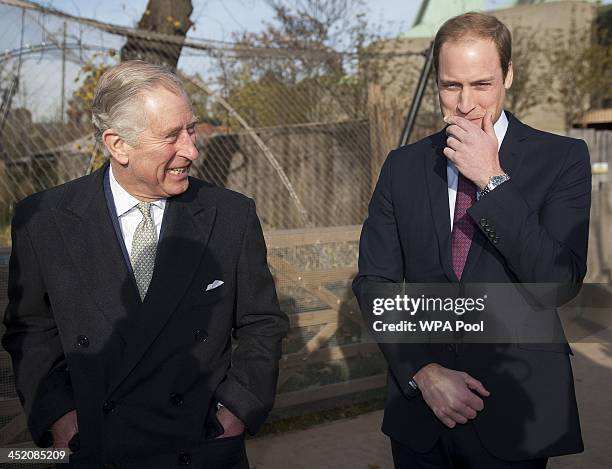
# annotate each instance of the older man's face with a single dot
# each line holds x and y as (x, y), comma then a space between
(470, 79)
(158, 166)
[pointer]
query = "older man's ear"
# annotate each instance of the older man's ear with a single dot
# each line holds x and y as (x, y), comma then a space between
(116, 146)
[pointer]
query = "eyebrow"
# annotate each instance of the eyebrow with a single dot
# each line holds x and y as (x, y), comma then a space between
(473, 82)
(484, 80)
(177, 129)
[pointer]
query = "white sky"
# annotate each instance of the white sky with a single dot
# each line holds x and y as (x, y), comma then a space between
(214, 19)
(218, 19)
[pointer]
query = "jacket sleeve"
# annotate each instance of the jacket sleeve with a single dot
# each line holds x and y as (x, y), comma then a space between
(547, 245)
(42, 379)
(381, 262)
(249, 387)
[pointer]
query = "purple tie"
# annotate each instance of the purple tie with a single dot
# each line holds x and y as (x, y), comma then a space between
(463, 226)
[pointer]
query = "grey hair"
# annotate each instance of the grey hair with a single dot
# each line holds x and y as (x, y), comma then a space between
(117, 95)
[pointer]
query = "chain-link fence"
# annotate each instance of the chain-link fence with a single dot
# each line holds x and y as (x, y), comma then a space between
(302, 131)
(289, 127)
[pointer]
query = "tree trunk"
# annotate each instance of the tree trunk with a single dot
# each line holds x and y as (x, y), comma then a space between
(160, 16)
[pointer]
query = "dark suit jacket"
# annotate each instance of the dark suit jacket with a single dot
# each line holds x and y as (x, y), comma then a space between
(533, 228)
(144, 378)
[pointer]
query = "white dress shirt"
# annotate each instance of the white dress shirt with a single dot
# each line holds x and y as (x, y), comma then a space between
(128, 214)
(452, 174)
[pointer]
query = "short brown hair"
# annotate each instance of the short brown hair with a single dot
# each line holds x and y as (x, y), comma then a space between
(475, 25)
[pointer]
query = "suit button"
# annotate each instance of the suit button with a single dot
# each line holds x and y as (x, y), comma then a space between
(483, 222)
(200, 335)
(82, 341)
(496, 240)
(492, 234)
(184, 459)
(108, 407)
(176, 399)
(487, 229)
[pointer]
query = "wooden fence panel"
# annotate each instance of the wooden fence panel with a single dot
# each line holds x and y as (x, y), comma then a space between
(600, 149)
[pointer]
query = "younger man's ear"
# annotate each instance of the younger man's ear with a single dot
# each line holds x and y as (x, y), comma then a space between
(509, 76)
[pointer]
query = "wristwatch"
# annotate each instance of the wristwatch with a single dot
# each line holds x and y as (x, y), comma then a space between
(413, 384)
(494, 181)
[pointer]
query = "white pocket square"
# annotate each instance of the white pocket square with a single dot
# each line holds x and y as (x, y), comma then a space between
(215, 284)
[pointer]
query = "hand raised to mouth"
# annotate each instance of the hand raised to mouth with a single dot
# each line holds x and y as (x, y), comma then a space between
(473, 150)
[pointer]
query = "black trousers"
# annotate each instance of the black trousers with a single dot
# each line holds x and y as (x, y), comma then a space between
(457, 448)
(223, 453)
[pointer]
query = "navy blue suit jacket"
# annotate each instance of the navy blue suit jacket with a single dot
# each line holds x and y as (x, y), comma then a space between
(539, 221)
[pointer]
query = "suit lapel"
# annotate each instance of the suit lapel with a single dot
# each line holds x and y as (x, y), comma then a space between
(86, 227)
(510, 159)
(185, 233)
(510, 156)
(437, 186)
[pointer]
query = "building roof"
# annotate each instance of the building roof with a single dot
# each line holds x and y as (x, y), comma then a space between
(596, 116)
(433, 13)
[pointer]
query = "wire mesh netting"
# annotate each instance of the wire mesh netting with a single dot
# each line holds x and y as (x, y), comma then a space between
(289, 127)
(297, 129)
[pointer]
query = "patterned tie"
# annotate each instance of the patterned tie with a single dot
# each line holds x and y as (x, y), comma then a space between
(144, 245)
(463, 226)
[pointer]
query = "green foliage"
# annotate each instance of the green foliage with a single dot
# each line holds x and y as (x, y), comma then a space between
(79, 105)
(583, 69)
(201, 101)
(568, 68)
(270, 101)
(526, 90)
(295, 72)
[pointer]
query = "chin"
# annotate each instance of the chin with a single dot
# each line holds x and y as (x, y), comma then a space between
(177, 188)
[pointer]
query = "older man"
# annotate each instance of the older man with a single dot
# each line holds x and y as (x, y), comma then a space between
(487, 200)
(125, 288)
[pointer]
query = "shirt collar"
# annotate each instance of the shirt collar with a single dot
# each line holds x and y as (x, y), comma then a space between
(124, 201)
(500, 128)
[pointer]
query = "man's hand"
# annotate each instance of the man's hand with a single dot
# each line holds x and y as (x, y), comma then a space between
(64, 429)
(232, 425)
(448, 393)
(473, 150)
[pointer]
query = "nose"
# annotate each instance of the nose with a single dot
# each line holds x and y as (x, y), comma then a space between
(466, 101)
(186, 146)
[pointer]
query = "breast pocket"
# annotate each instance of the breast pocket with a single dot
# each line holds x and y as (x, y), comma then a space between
(206, 298)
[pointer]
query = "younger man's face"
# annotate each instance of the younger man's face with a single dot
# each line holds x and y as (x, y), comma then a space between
(470, 79)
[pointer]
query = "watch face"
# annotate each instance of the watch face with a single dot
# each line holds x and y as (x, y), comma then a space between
(497, 180)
